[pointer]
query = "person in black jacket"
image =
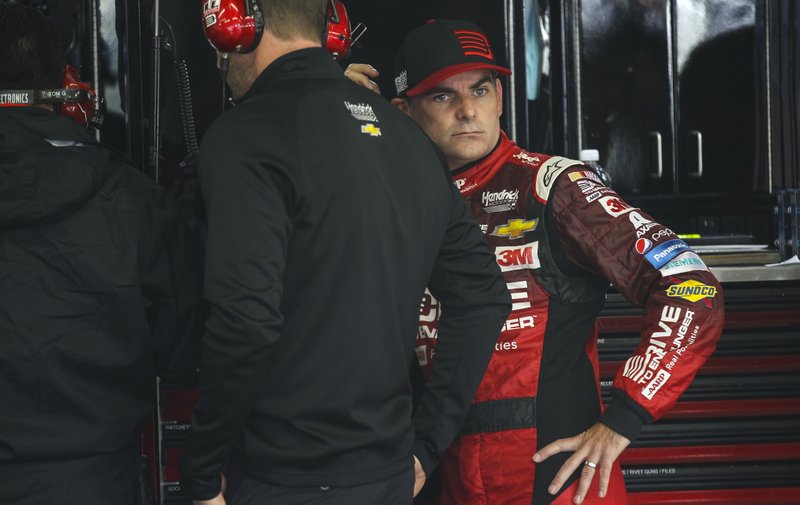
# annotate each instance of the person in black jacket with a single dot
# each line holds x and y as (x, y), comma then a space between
(329, 212)
(97, 293)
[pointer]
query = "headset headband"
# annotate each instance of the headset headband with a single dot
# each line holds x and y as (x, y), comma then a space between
(30, 97)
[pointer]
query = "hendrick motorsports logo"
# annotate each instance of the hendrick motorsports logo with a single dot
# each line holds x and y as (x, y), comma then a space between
(361, 111)
(499, 201)
(693, 291)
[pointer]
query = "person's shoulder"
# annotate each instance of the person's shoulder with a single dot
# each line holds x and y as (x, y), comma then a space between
(127, 186)
(546, 169)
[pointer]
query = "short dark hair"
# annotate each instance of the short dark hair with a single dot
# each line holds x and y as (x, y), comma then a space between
(288, 19)
(31, 54)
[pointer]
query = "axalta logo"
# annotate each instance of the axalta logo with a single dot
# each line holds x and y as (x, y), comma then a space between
(638, 220)
(459, 183)
(644, 229)
(692, 291)
(499, 201)
(518, 258)
(643, 245)
(515, 228)
(530, 160)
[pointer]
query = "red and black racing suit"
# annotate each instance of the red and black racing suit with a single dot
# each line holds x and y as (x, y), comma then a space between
(560, 235)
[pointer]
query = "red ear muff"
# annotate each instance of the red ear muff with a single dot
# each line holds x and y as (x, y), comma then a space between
(74, 99)
(83, 110)
(233, 26)
(339, 37)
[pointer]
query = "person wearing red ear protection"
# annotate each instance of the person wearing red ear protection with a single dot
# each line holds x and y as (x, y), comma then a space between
(97, 293)
(235, 26)
(329, 211)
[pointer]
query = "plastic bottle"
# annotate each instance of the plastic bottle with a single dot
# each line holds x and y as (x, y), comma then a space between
(591, 158)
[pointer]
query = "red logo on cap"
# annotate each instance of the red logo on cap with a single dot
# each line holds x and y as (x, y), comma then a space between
(474, 44)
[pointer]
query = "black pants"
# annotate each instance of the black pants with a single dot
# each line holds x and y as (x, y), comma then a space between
(243, 490)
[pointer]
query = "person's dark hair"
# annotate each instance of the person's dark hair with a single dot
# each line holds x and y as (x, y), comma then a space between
(31, 55)
(288, 19)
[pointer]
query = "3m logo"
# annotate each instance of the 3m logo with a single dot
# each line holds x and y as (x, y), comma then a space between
(693, 291)
(515, 228)
(474, 44)
(518, 258)
(614, 206)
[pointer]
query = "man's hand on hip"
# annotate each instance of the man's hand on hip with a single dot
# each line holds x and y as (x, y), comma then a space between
(596, 449)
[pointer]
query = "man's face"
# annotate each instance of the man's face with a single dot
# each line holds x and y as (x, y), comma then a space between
(241, 72)
(461, 114)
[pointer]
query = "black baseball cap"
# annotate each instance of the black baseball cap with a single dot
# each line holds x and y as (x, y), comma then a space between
(440, 49)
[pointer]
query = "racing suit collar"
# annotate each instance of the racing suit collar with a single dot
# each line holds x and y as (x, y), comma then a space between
(475, 174)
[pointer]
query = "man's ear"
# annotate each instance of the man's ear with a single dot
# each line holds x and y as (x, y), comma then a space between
(499, 97)
(401, 103)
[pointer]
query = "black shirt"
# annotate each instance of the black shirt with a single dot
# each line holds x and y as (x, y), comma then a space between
(329, 212)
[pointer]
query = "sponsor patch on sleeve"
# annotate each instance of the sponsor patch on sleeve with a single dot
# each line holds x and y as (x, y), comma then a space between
(614, 206)
(548, 173)
(652, 388)
(584, 174)
(684, 262)
(692, 290)
(661, 254)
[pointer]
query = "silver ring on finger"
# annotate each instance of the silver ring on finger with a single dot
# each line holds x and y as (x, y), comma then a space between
(591, 465)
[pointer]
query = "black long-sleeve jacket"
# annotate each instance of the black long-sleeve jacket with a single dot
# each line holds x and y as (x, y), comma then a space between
(97, 295)
(329, 212)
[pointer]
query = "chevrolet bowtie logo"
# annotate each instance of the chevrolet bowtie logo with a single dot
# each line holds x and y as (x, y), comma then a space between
(370, 128)
(515, 228)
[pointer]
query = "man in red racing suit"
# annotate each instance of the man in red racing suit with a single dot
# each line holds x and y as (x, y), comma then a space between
(559, 235)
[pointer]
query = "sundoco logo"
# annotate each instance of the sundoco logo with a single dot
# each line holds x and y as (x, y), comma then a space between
(692, 291)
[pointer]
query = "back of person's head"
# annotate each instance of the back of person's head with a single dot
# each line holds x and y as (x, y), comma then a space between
(31, 55)
(289, 19)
